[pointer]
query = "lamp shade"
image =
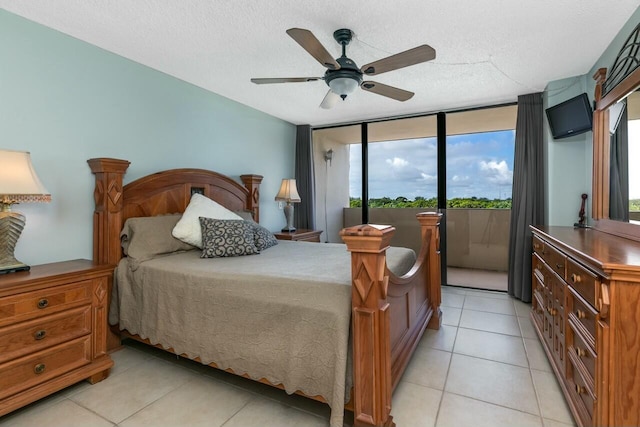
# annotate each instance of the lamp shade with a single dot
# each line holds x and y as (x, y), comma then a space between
(344, 85)
(288, 191)
(18, 180)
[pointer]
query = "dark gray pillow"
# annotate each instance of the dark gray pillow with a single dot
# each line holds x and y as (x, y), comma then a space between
(246, 215)
(226, 238)
(263, 238)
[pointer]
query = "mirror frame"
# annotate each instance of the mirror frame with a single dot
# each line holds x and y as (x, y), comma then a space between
(601, 146)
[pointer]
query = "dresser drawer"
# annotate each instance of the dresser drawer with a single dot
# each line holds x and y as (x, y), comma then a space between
(555, 259)
(538, 245)
(583, 281)
(538, 310)
(582, 317)
(26, 372)
(582, 352)
(27, 337)
(582, 394)
(17, 308)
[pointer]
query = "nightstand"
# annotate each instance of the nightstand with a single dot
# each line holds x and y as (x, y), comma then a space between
(300, 235)
(53, 329)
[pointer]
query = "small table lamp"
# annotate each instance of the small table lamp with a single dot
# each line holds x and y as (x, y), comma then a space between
(288, 193)
(18, 184)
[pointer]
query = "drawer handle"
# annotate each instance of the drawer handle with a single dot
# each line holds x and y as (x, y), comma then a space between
(40, 334)
(536, 246)
(39, 368)
(43, 303)
(580, 389)
(581, 352)
(559, 266)
(581, 314)
(575, 278)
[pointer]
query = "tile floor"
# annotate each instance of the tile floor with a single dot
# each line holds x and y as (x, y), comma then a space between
(478, 279)
(484, 367)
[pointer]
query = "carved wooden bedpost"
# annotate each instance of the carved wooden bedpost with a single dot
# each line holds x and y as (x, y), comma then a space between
(252, 183)
(108, 198)
(107, 219)
(370, 317)
(430, 229)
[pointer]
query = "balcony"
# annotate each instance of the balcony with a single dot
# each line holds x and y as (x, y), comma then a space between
(477, 241)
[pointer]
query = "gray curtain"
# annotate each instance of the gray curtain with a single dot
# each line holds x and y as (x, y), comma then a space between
(528, 193)
(619, 171)
(305, 212)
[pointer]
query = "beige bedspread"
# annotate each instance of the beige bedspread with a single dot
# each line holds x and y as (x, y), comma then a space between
(283, 315)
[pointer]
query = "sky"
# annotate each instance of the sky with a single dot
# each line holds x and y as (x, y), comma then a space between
(634, 157)
(478, 165)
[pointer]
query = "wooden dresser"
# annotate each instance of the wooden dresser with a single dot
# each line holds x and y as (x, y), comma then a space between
(586, 310)
(53, 324)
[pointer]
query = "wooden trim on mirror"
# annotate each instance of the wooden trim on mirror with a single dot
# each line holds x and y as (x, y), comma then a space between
(601, 147)
(600, 180)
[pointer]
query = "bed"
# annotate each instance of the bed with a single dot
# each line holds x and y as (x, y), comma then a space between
(387, 313)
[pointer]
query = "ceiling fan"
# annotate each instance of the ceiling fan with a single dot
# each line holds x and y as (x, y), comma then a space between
(343, 75)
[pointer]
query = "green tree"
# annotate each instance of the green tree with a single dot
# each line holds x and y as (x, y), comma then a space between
(455, 203)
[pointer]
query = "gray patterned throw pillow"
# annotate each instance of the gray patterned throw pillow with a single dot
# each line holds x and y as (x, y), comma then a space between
(263, 238)
(226, 238)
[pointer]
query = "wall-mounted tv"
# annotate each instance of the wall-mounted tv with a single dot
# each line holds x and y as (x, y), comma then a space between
(571, 117)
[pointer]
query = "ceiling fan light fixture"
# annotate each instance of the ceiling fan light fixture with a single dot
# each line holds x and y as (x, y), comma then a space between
(344, 86)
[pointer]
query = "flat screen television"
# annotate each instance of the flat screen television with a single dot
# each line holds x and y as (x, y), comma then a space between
(571, 117)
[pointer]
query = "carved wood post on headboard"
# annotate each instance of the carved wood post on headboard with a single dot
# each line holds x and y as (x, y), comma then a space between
(252, 183)
(107, 220)
(107, 217)
(370, 320)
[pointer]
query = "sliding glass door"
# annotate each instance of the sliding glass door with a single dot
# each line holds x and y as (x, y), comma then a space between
(404, 163)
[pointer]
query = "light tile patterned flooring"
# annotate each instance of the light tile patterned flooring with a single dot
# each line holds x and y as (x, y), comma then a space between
(484, 367)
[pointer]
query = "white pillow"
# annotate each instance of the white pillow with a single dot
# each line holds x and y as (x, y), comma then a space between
(188, 228)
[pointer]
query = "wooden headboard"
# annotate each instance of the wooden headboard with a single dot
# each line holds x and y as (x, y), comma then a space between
(156, 194)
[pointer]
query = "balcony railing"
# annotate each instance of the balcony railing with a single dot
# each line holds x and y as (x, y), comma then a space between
(476, 238)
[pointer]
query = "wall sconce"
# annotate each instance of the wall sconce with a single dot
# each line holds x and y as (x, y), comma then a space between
(288, 193)
(328, 156)
(18, 184)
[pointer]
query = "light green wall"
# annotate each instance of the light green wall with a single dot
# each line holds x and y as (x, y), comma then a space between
(66, 101)
(565, 159)
(570, 161)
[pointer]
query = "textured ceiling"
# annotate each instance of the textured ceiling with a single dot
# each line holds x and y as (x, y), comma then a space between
(488, 51)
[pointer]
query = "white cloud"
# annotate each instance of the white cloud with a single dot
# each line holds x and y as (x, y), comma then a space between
(397, 162)
(460, 181)
(429, 179)
(496, 172)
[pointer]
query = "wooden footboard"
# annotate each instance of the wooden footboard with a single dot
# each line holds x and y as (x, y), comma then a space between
(389, 313)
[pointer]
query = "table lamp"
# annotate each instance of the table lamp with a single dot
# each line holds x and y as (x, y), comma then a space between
(18, 184)
(288, 193)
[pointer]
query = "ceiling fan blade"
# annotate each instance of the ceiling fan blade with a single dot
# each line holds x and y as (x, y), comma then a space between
(310, 43)
(285, 80)
(409, 57)
(330, 100)
(388, 91)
